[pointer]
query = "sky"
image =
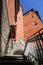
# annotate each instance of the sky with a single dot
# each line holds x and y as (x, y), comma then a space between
(35, 4)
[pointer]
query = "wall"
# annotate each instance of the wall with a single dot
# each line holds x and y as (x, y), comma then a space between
(20, 27)
(11, 11)
(4, 27)
(32, 24)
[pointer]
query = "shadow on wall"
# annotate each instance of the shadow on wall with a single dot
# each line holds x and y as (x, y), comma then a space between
(0, 21)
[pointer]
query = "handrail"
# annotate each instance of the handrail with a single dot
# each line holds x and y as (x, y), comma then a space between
(35, 33)
(33, 56)
(33, 39)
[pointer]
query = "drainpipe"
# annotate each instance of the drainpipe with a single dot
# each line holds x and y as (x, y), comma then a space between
(17, 4)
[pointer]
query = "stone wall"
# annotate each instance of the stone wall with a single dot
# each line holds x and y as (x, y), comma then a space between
(4, 27)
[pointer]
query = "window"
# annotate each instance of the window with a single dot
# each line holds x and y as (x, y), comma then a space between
(35, 23)
(13, 32)
(32, 16)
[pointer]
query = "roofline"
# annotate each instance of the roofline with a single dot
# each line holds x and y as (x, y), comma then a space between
(28, 11)
(35, 11)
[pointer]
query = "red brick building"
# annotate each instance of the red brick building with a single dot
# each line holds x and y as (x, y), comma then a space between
(26, 25)
(27, 28)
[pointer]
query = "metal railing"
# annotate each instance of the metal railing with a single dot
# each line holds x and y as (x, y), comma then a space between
(39, 43)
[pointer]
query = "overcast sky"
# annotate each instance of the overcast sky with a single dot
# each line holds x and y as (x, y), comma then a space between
(35, 4)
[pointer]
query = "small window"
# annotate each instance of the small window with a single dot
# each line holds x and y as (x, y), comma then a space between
(32, 16)
(35, 23)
